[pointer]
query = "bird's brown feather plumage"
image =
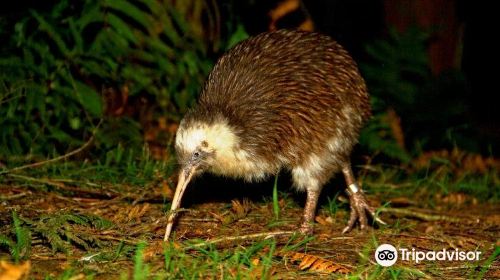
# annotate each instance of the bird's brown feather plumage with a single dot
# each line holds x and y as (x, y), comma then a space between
(280, 100)
(286, 94)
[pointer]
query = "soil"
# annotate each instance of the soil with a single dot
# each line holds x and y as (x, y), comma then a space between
(139, 214)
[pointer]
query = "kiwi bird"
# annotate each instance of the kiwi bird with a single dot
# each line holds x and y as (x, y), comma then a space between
(289, 100)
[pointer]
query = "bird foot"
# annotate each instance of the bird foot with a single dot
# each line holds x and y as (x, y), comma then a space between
(306, 228)
(359, 207)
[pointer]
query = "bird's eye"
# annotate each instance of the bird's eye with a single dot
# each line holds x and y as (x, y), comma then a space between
(196, 154)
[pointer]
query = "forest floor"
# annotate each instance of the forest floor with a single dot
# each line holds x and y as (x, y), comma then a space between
(67, 229)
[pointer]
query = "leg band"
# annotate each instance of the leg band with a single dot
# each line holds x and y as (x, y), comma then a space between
(352, 189)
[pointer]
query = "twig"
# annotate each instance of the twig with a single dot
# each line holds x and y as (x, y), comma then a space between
(266, 235)
(88, 258)
(14, 196)
(421, 237)
(36, 164)
(420, 215)
(124, 240)
(204, 220)
(463, 267)
(51, 257)
(75, 182)
(62, 186)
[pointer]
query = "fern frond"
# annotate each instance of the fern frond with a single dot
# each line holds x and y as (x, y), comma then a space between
(6, 241)
(52, 32)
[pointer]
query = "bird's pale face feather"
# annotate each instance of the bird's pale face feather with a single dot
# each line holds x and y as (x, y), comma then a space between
(222, 145)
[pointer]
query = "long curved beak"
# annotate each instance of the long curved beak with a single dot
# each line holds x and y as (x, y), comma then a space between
(185, 176)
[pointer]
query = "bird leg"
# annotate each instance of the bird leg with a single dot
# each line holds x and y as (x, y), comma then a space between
(309, 211)
(358, 203)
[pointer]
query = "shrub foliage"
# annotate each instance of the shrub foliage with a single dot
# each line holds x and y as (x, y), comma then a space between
(57, 69)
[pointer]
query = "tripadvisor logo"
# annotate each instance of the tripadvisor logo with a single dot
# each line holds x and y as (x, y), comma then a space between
(387, 255)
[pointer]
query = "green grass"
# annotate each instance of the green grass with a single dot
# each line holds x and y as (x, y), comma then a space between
(206, 262)
(118, 166)
(141, 270)
(20, 246)
(276, 206)
(70, 232)
(392, 181)
(333, 205)
(61, 68)
(487, 264)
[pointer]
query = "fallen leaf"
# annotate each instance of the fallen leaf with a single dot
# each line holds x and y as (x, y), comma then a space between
(154, 249)
(78, 277)
(138, 211)
(255, 261)
(329, 220)
(456, 161)
(14, 271)
(317, 264)
(177, 245)
(260, 272)
(241, 209)
(323, 221)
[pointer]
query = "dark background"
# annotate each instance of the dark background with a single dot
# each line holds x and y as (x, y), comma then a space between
(457, 106)
(461, 43)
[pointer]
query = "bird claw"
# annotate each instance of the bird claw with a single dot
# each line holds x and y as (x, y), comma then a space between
(359, 207)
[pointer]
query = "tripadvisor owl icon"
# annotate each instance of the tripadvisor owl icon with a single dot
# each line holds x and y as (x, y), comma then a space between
(386, 255)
